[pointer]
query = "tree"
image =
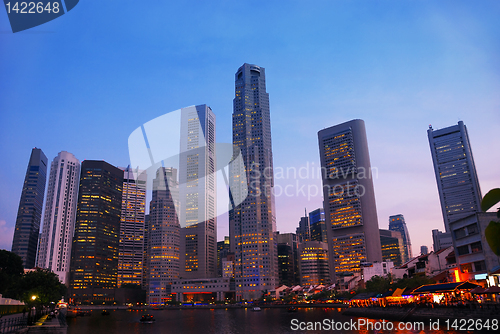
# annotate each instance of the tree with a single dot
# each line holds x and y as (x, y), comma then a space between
(11, 269)
(492, 232)
(378, 284)
(41, 283)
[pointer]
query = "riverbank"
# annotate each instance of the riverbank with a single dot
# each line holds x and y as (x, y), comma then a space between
(424, 313)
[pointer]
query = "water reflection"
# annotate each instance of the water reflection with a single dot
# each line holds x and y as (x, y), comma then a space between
(229, 321)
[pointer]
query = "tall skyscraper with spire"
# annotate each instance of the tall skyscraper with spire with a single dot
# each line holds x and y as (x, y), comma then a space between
(456, 176)
(303, 231)
(198, 193)
(54, 252)
(252, 224)
(29, 215)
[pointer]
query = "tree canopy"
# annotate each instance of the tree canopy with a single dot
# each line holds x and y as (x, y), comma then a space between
(41, 283)
(11, 269)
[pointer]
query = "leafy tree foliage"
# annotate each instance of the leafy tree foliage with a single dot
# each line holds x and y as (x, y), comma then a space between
(492, 232)
(11, 269)
(382, 284)
(41, 283)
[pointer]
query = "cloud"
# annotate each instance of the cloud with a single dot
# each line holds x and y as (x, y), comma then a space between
(6, 234)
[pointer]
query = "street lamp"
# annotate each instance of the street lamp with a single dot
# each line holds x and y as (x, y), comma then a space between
(33, 298)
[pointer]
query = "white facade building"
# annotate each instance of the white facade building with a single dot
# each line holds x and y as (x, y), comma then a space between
(54, 251)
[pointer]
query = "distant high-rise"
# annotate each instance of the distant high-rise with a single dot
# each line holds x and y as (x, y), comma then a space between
(252, 224)
(197, 193)
(133, 210)
(313, 263)
(94, 254)
(304, 229)
(29, 214)
(349, 199)
(397, 223)
(392, 247)
(147, 248)
(424, 250)
(54, 252)
(288, 265)
(317, 225)
(441, 240)
(164, 236)
(222, 252)
(455, 171)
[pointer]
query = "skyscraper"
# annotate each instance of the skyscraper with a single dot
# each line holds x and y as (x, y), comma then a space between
(304, 229)
(349, 199)
(133, 210)
(94, 254)
(313, 263)
(222, 252)
(392, 247)
(54, 252)
(317, 225)
(197, 193)
(164, 236)
(288, 259)
(29, 214)
(456, 176)
(252, 224)
(397, 223)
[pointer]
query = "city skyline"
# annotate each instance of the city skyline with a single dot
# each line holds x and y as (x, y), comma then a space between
(437, 66)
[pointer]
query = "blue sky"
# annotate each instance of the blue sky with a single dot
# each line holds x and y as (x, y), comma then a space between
(83, 82)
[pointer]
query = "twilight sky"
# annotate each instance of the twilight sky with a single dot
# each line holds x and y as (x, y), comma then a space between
(83, 82)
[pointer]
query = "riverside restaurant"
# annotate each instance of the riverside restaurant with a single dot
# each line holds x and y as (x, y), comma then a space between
(442, 294)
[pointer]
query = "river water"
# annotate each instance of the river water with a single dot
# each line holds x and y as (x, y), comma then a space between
(233, 321)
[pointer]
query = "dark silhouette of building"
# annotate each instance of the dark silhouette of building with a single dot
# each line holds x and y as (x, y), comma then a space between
(94, 259)
(29, 214)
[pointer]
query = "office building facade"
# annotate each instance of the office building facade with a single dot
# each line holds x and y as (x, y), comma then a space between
(313, 263)
(198, 193)
(349, 199)
(29, 214)
(223, 250)
(288, 259)
(318, 225)
(252, 224)
(94, 254)
(455, 171)
(392, 247)
(441, 240)
(164, 236)
(133, 211)
(475, 258)
(304, 229)
(54, 251)
(397, 223)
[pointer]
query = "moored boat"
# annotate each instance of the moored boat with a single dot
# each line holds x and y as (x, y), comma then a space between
(147, 318)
